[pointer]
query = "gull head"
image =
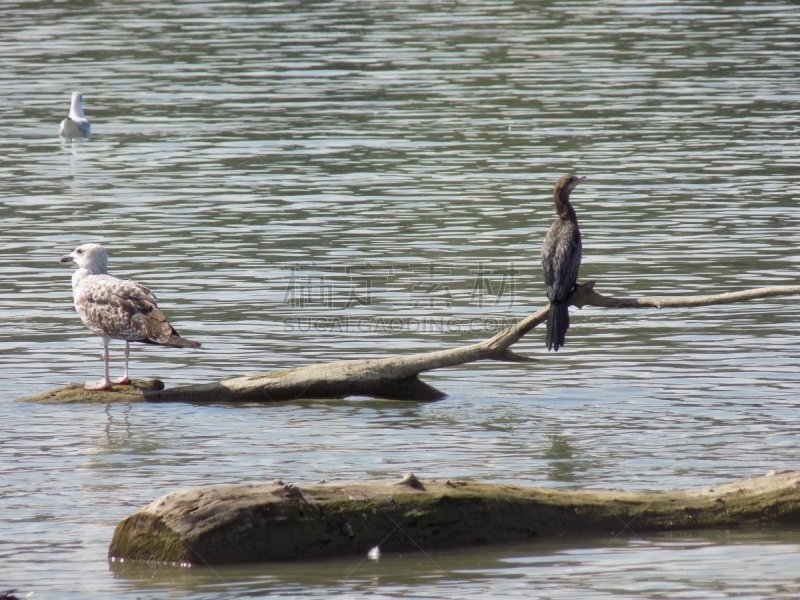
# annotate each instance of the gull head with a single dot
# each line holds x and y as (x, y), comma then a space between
(91, 257)
(76, 109)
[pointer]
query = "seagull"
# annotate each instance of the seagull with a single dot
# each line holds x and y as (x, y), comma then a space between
(117, 309)
(76, 125)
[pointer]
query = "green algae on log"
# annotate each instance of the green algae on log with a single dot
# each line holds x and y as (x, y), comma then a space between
(72, 393)
(277, 521)
(394, 377)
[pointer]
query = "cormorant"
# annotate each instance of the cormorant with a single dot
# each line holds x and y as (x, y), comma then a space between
(561, 259)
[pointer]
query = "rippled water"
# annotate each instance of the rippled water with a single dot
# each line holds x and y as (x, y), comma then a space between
(311, 181)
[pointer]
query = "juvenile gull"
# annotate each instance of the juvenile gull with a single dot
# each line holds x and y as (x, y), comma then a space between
(76, 124)
(117, 309)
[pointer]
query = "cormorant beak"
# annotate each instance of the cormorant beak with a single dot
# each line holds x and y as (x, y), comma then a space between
(67, 258)
(576, 182)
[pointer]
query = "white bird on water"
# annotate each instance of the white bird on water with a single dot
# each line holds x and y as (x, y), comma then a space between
(76, 124)
(117, 309)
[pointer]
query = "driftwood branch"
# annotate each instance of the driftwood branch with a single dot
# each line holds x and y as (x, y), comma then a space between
(592, 298)
(394, 377)
(277, 521)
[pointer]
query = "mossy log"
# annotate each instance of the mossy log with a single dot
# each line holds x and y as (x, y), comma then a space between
(394, 377)
(277, 521)
(74, 393)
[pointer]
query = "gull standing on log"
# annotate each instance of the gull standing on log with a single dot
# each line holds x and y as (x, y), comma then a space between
(117, 309)
(76, 124)
(561, 259)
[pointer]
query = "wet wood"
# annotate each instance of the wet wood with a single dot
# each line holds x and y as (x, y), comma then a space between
(394, 377)
(278, 521)
(74, 392)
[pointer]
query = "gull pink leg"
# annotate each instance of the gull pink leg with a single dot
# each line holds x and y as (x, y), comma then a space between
(104, 383)
(125, 378)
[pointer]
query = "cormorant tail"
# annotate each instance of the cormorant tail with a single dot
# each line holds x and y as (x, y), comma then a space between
(557, 325)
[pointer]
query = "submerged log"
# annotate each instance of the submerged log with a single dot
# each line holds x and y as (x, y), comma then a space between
(277, 521)
(396, 377)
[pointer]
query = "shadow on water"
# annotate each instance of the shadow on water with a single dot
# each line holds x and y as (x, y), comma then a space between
(584, 563)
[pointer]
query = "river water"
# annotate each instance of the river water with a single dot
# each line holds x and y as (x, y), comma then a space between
(308, 181)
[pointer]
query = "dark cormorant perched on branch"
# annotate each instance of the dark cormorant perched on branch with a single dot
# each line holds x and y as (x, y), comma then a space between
(561, 259)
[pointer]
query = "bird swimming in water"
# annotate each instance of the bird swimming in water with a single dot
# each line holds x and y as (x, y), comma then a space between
(561, 259)
(76, 124)
(117, 309)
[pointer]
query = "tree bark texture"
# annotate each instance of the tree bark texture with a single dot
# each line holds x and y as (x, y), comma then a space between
(277, 521)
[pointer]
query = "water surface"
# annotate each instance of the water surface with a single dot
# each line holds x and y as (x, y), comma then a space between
(318, 181)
